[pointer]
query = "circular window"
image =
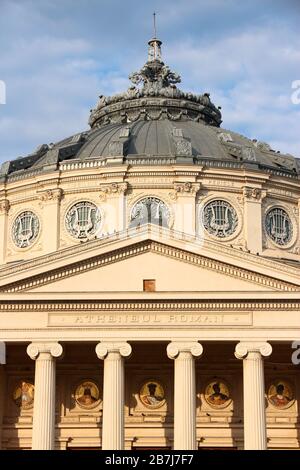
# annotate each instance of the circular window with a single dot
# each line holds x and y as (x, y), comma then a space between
(25, 229)
(279, 226)
(150, 210)
(83, 219)
(220, 218)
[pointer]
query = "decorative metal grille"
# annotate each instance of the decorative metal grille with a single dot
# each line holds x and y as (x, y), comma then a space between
(83, 219)
(279, 226)
(220, 218)
(150, 210)
(25, 229)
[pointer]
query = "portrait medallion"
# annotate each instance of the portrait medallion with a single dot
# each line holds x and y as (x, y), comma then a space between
(217, 394)
(87, 394)
(280, 394)
(23, 395)
(152, 394)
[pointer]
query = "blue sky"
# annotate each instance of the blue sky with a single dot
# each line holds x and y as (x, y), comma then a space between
(57, 56)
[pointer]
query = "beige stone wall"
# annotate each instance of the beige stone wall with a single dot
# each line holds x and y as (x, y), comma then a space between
(116, 190)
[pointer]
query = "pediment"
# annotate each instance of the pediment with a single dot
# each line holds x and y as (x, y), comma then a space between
(121, 265)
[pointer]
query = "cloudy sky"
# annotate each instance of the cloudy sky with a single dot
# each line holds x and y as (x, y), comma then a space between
(57, 56)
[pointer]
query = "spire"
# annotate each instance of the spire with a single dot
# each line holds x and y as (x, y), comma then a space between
(154, 49)
(154, 24)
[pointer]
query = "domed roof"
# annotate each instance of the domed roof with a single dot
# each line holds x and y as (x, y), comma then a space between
(154, 122)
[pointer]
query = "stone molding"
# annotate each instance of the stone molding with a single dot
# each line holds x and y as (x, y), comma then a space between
(244, 348)
(35, 349)
(145, 247)
(122, 348)
(152, 306)
(193, 347)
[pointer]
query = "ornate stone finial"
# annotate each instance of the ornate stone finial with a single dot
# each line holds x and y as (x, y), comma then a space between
(154, 95)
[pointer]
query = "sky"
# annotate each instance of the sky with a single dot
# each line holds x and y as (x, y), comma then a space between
(58, 56)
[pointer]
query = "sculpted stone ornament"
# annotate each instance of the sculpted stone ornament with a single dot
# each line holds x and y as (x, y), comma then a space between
(4, 206)
(83, 219)
(113, 189)
(51, 195)
(254, 194)
(53, 349)
(122, 348)
(176, 347)
(185, 189)
(154, 95)
(220, 218)
(25, 229)
(278, 226)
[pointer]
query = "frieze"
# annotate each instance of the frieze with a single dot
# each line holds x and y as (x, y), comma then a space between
(216, 182)
(151, 319)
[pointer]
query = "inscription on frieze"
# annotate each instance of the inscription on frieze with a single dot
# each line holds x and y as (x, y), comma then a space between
(149, 319)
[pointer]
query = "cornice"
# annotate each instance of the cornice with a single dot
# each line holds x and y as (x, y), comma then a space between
(149, 232)
(144, 247)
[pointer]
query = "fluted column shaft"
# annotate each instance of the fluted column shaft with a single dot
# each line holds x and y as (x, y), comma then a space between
(43, 426)
(184, 393)
(255, 433)
(113, 393)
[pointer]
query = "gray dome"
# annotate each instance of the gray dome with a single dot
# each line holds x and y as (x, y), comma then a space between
(192, 141)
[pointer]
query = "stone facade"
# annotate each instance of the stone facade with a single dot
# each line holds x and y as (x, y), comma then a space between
(150, 300)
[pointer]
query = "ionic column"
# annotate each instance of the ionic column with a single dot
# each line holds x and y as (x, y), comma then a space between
(3, 384)
(255, 433)
(113, 355)
(43, 427)
(184, 392)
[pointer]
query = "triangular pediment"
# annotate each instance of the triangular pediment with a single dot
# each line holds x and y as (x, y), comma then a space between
(121, 263)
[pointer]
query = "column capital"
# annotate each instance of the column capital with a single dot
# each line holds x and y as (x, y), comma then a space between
(123, 348)
(4, 206)
(242, 349)
(176, 347)
(53, 348)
